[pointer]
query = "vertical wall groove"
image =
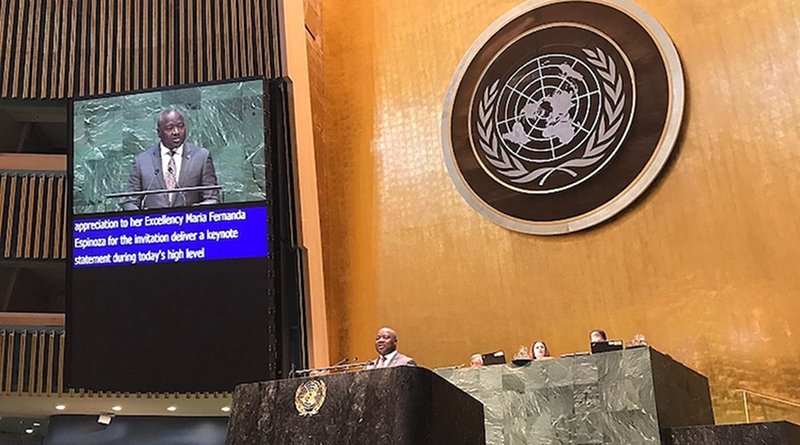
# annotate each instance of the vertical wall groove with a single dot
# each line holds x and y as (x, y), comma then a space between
(10, 219)
(59, 205)
(54, 54)
(119, 37)
(3, 183)
(38, 225)
(20, 19)
(171, 41)
(199, 30)
(9, 361)
(51, 346)
(99, 36)
(28, 42)
(45, 54)
(47, 217)
(235, 37)
(3, 36)
(29, 216)
(226, 33)
(2, 361)
(64, 47)
(144, 33)
(23, 204)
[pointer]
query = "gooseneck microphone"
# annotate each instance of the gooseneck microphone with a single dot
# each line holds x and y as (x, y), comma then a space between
(341, 362)
(144, 200)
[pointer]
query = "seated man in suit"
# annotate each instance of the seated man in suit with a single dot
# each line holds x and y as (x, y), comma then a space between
(386, 345)
(171, 163)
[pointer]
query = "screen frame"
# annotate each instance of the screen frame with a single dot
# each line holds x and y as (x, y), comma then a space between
(271, 203)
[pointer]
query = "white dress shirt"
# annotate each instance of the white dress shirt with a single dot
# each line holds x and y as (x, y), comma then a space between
(386, 359)
(165, 161)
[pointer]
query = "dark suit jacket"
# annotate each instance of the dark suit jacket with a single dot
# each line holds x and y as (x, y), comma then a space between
(398, 360)
(197, 169)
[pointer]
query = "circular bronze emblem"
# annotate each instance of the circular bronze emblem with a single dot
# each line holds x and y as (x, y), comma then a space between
(309, 397)
(562, 113)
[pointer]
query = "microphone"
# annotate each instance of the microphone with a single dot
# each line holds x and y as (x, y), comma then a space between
(144, 200)
(342, 361)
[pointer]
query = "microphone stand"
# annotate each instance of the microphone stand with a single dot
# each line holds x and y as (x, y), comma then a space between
(345, 367)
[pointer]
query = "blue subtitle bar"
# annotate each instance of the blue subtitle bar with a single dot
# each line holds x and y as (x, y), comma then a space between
(170, 237)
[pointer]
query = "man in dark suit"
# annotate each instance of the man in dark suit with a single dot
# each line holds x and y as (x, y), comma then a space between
(386, 345)
(172, 163)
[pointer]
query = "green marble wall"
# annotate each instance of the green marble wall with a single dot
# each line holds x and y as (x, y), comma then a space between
(226, 119)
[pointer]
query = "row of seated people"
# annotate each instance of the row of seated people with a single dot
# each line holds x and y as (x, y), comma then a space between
(388, 356)
(539, 350)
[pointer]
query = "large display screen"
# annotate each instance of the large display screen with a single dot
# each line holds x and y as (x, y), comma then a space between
(171, 269)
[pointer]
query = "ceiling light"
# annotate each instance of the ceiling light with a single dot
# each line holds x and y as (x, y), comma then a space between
(29, 431)
(105, 419)
(172, 408)
(226, 409)
(116, 408)
(37, 424)
(61, 407)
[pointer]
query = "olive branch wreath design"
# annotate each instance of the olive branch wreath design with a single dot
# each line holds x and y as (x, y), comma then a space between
(598, 143)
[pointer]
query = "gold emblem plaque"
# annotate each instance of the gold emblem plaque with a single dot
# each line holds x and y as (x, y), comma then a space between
(309, 397)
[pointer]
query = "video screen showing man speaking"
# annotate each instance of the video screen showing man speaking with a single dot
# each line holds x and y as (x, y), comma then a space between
(173, 148)
(172, 164)
(174, 155)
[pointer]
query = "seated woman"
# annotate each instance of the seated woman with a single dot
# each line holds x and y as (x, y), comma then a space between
(539, 351)
(476, 361)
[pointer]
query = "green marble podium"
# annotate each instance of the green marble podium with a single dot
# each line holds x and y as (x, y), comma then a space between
(623, 397)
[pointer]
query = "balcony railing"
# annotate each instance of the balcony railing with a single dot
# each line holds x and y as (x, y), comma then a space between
(748, 396)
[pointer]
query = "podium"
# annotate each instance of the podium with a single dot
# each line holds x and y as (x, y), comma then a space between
(391, 406)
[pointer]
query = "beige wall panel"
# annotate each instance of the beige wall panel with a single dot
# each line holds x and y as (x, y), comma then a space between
(346, 176)
(704, 264)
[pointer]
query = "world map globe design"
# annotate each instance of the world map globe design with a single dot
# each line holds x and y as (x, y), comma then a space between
(548, 108)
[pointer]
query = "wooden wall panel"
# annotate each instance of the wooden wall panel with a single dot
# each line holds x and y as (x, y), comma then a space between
(32, 215)
(75, 48)
(30, 360)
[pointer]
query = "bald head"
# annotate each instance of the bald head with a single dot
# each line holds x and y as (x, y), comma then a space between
(385, 341)
(171, 128)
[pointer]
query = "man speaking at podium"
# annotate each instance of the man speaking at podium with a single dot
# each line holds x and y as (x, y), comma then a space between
(170, 164)
(386, 345)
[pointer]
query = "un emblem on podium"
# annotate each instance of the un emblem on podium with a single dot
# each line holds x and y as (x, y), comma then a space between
(562, 113)
(309, 397)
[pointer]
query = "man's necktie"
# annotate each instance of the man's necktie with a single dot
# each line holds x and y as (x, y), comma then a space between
(382, 362)
(171, 179)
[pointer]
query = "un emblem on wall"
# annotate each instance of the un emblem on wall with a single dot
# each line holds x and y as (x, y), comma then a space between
(562, 113)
